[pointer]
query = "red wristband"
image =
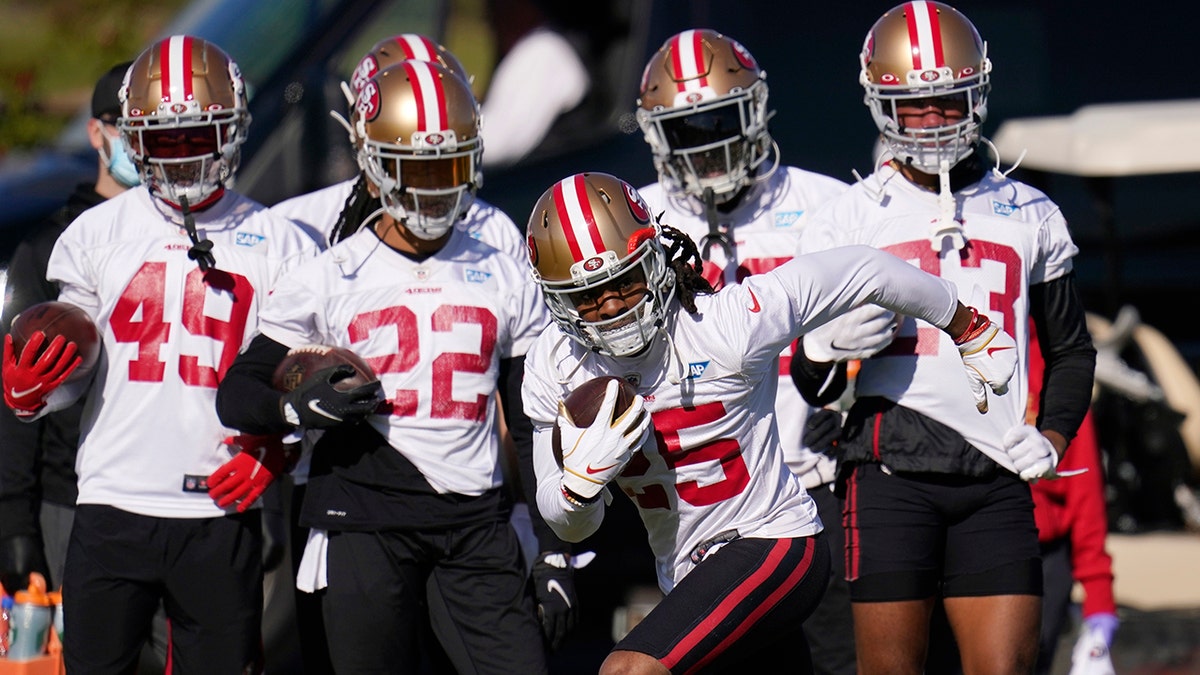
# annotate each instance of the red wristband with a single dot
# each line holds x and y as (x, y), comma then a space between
(975, 327)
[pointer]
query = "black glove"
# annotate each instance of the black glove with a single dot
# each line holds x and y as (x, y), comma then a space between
(554, 586)
(822, 432)
(318, 404)
(21, 554)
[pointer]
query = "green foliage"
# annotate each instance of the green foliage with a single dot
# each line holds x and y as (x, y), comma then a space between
(53, 52)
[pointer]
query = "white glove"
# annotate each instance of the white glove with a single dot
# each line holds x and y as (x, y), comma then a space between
(858, 334)
(1091, 655)
(594, 455)
(990, 357)
(1032, 453)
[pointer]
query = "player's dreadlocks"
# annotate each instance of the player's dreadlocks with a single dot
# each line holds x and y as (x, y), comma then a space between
(359, 205)
(684, 258)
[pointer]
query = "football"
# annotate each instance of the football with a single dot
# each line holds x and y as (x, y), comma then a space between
(59, 318)
(302, 363)
(584, 401)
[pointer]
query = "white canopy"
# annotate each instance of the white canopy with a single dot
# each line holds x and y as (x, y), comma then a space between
(1117, 139)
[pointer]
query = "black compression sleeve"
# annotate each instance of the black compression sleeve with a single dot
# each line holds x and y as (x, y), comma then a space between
(810, 378)
(1061, 323)
(245, 398)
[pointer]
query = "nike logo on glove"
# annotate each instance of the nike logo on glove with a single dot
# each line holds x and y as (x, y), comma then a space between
(553, 585)
(592, 469)
(315, 406)
(755, 307)
(23, 394)
(996, 349)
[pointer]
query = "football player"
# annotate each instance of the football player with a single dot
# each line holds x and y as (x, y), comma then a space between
(732, 529)
(413, 490)
(966, 530)
(173, 272)
(704, 113)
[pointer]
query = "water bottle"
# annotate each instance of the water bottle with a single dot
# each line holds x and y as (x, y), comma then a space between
(6, 604)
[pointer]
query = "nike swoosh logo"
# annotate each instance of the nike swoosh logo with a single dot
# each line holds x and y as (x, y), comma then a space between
(592, 469)
(315, 406)
(23, 394)
(996, 349)
(755, 307)
(556, 587)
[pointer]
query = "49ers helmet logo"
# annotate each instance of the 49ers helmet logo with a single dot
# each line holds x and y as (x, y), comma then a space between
(743, 55)
(593, 264)
(637, 206)
(365, 71)
(368, 102)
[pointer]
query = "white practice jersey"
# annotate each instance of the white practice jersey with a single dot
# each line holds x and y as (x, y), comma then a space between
(1016, 237)
(434, 332)
(317, 212)
(150, 432)
(765, 230)
(714, 462)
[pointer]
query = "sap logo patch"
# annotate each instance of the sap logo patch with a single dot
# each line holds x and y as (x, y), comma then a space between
(477, 276)
(787, 218)
(249, 239)
(1004, 209)
(696, 369)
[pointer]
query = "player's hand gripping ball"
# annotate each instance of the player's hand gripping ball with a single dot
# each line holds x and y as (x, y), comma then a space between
(302, 363)
(582, 404)
(56, 318)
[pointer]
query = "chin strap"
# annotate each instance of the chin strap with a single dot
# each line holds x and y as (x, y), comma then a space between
(715, 235)
(201, 250)
(946, 226)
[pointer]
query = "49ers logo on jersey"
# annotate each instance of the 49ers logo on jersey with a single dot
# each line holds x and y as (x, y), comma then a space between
(368, 102)
(365, 71)
(637, 206)
(743, 55)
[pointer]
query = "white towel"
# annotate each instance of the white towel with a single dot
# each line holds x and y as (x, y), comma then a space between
(313, 573)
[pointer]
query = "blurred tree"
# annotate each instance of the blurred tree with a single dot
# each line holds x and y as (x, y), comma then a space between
(53, 52)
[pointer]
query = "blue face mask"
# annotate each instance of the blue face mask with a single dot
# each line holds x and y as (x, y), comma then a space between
(120, 167)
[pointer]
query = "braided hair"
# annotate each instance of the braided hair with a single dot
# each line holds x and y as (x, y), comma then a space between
(684, 258)
(359, 205)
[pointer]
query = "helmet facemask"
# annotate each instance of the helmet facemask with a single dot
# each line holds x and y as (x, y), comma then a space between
(716, 144)
(182, 157)
(427, 191)
(634, 330)
(932, 149)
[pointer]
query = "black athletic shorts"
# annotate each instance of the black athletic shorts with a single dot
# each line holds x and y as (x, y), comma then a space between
(911, 536)
(377, 594)
(206, 572)
(739, 609)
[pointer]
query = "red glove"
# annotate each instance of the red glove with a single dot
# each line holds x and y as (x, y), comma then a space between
(29, 378)
(243, 479)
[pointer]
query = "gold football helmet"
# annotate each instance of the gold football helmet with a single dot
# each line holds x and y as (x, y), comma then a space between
(184, 118)
(924, 50)
(590, 229)
(703, 111)
(417, 126)
(392, 50)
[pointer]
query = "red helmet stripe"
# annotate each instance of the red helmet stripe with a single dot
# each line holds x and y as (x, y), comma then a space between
(687, 61)
(430, 96)
(175, 62)
(579, 221)
(925, 36)
(416, 47)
